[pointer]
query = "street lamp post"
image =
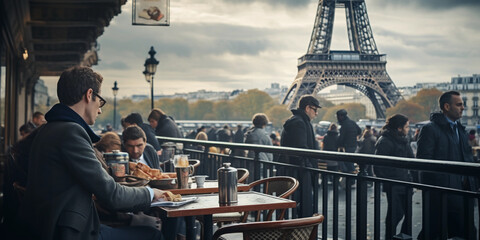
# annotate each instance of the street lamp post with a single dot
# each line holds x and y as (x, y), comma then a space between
(115, 91)
(150, 69)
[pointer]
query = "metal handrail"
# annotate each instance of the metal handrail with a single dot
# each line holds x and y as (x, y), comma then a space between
(464, 168)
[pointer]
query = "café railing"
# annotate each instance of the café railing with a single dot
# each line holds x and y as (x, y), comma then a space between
(210, 162)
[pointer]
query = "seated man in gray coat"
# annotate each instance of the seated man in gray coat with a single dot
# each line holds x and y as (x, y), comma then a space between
(64, 175)
(135, 143)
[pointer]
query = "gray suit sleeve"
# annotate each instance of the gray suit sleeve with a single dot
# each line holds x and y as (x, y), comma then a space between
(79, 158)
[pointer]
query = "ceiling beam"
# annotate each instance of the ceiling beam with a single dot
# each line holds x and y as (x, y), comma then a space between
(39, 23)
(54, 52)
(57, 41)
(76, 1)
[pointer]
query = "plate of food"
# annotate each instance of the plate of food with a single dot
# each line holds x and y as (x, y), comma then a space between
(157, 179)
(133, 181)
(165, 183)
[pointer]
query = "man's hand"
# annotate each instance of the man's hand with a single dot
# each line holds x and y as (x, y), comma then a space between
(158, 194)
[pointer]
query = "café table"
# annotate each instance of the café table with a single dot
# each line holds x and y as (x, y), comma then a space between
(210, 186)
(207, 205)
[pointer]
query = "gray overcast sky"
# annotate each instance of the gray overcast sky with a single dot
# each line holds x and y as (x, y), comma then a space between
(222, 45)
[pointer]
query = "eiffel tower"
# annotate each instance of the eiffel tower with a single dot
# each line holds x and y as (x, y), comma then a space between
(361, 68)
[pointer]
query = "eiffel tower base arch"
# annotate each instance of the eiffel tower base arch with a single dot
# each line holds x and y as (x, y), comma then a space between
(368, 77)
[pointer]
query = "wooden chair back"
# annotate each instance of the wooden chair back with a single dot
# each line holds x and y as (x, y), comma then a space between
(194, 162)
(242, 174)
(280, 186)
(294, 229)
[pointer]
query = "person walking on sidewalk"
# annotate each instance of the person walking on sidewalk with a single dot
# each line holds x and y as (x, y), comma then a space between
(298, 133)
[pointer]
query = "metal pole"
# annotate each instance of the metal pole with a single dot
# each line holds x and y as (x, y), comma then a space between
(114, 112)
(152, 92)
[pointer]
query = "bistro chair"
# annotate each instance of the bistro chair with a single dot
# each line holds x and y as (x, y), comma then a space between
(294, 229)
(280, 186)
(242, 174)
(194, 162)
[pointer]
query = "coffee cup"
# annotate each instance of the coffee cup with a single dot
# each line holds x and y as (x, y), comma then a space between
(200, 180)
(183, 173)
(180, 160)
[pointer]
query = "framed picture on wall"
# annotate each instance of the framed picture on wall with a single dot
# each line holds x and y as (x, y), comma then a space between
(151, 12)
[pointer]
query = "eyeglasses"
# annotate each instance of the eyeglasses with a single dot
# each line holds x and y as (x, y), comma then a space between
(102, 101)
(314, 108)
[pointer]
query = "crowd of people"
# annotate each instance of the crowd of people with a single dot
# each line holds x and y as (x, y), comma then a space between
(61, 155)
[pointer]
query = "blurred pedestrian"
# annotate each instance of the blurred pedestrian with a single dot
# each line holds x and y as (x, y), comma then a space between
(331, 138)
(330, 144)
(366, 145)
(472, 138)
(204, 137)
(367, 142)
(25, 130)
(163, 124)
(415, 135)
(195, 132)
(38, 119)
(212, 133)
(275, 139)
(347, 141)
(393, 142)
(257, 135)
(445, 138)
(239, 137)
(298, 133)
(224, 135)
(108, 128)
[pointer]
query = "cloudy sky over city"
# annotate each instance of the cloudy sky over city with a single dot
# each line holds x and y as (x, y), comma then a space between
(222, 45)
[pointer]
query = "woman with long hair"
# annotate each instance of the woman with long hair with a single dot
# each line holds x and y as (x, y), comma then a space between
(394, 142)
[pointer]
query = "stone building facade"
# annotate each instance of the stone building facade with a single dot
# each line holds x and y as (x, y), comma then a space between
(469, 87)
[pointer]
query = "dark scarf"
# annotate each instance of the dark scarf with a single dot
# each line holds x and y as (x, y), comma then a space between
(395, 135)
(62, 113)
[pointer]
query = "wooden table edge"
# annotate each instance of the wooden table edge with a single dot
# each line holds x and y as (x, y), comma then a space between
(174, 212)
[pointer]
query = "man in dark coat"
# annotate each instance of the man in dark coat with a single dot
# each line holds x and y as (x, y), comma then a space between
(163, 124)
(444, 138)
(212, 133)
(224, 134)
(347, 138)
(239, 137)
(136, 119)
(64, 173)
(298, 133)
(138, 149)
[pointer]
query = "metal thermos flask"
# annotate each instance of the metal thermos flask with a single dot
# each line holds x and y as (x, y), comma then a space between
(117, 157)
(227, 185)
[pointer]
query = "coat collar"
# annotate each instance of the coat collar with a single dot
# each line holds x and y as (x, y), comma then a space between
(301, 113)
(440, 119)
(63, 113)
